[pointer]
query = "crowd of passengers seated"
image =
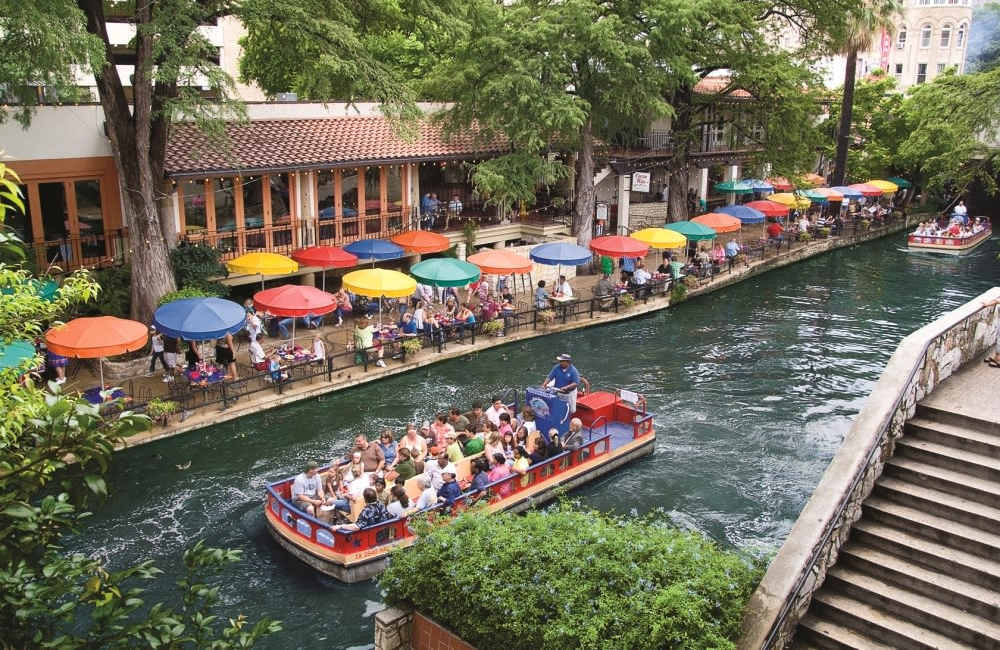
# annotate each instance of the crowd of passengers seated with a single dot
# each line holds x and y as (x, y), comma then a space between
(956, 228)
(497, 441)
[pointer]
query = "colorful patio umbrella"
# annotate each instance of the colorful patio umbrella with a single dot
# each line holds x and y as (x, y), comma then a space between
(95, 337)
(15, 353)
(45, 290)
(500, 262)
(445, 272)
(866, 189)
(814, 179)
(791, 200)
(830, 193)
(422, 241)
(719, 222)
(768, 207)
(901, 182)
(781, 184)
(262, 264)
(886, 186)
(326, 257)
(734, 187)
(691, 230)
(848, 193)
(200, 319)
(294, 300)
(812, 196)
(560, 253)
(660, 238)
(375, 249)
(380, 283)
(618, 246)
(745, 213)
(758, 185)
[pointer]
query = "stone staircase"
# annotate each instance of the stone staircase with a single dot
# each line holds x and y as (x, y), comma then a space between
(922, 566)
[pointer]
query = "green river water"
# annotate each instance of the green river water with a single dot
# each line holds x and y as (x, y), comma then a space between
(753, 388)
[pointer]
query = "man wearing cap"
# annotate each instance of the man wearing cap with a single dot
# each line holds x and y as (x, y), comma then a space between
(565, 378)
(307, 490)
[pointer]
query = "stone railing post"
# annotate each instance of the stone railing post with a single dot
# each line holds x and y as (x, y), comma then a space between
(392, 629)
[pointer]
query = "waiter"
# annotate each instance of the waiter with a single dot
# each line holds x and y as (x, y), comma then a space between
(565, 378)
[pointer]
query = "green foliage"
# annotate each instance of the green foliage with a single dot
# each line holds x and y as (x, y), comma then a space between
(412, 345)
(493, 327)
(513, 178)
(195, 264)
(546, 316)
(158, 408)
(115, 298)
(469, 231)
(804, 237)
(189, 292)
(678, 293)
(575, 580)
(626, 300)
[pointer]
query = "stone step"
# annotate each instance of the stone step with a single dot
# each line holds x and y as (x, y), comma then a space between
(938, 529)
(815, 632)
(949, 417)
(878, 624)
(929, 554)
(951, 458)
(917, 609)
(894, 569)
(954, 435)
(936, 502)
(946, 480)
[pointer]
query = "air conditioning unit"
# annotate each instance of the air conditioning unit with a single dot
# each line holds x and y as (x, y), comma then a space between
(287, 97)
(900, 46)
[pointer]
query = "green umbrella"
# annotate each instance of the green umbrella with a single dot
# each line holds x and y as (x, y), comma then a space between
(445, 272)
(692, 230)
(13, 354)
(814, 196)
(734, 187)
(901, 182)
(45, 290)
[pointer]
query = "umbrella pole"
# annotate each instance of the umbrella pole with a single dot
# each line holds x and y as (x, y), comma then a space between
(261, 281)
(100, 368)
(294, 318)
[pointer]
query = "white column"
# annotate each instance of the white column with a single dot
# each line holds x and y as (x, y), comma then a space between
(624, 185)
(703, 185)
(175, 205)
(734, 175)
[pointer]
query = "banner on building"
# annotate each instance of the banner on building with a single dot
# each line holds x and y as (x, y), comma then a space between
(640, 181)
(886, 46)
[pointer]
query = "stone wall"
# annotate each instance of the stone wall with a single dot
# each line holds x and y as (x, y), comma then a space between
(922, 361)
(541, 271)
(401, 629)
(392, 629)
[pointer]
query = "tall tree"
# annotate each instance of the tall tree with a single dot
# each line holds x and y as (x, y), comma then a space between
(321, 49)
(873, 18)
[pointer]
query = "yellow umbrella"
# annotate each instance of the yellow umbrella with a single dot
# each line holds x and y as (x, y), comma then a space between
(660, 238)
(380, 283)
(791, 200)
(262, 264)
(885, 186)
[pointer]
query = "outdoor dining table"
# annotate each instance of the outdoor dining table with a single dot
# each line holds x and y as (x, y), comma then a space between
(93, 395)
(210, 375)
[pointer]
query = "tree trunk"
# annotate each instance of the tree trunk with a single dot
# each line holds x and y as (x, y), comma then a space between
(844, 129)
(583, 208)
(677, 206)
(138, 138)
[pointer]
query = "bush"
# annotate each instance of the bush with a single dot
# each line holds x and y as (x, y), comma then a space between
(804, 236)
(115, 298)
(413, 345)
(678, 293)
(626, 300)
(188, 292)
(194, 264)
(575, 580)
(546, 315)
(493, 327)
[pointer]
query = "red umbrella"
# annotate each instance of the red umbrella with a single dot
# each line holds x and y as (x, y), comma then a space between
(769, 208)
(421, 241)
(327, 257)
(295, 300)
(781, 184)
(618, 246)
(866, 189)
(100, 336)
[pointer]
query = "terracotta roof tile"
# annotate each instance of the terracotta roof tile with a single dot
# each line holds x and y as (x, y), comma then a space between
(713, 85)
(310, 143)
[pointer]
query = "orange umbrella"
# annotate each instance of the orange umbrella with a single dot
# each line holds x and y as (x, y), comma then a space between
(500, 262)
(421, 241)
(831, 195)
(814, 179)
(781, 184)
(718, 222)
(94, 337)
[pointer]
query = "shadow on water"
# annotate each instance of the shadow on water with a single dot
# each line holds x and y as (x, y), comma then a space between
(752, 387)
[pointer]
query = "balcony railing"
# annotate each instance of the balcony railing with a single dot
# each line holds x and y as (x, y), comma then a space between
(97, 250)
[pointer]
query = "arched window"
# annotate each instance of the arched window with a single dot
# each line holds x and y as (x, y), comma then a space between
(925, 35)
(946, 35)
(960, 35)
(901, 38)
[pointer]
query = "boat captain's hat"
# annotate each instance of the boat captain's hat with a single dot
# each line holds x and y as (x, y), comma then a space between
(564, 357)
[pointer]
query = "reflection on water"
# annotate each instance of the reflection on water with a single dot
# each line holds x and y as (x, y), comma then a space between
(752, 387)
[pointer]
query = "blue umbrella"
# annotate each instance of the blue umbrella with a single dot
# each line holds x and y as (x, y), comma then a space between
(757, 185)
(848, 193)
(374, 249)
(558, 253)
(743, 213)
(200, 319)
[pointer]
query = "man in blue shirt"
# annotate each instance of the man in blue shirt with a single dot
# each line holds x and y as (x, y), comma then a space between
(565, 378)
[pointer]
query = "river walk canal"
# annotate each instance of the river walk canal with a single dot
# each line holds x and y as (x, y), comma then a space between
(752, 387)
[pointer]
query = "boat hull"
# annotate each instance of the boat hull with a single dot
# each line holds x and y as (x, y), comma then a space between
(947, 245)
(369, 562)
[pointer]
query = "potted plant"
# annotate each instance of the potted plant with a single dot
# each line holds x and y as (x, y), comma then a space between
(626, 300)
(412, 345)
(493, 327)
(545, 317)
(825, 232)
(678, 293)
(160, 410)
(804, 236)
(866, 224)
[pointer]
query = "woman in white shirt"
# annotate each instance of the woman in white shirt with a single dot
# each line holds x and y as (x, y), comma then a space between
(319, 350)
(419, 314)
(257, 356)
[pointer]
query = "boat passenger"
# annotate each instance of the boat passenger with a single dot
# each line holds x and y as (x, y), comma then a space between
(382, 491)
(404, 468)
(565, 378)
(449, 490)
(555, 444)
(477, 417)
(500, 470)
(494, 411)
(458, 421)
(505, 424)
(400, 504)
(441, 428)
(413, 443)
(434, 469)
(387, 443)
(507, 440)
(521, 437)
(540, 451)
(493, 445)
(428, 495)
(307, 490)
(480, 478)
(574, 437)
(454, 449)
(472, 444)
(371, 455)
(521, 463)
(373, 513)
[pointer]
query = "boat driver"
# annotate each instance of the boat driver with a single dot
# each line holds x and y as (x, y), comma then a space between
(564, 378)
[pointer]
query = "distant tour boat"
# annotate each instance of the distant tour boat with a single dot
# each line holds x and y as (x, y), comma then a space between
(949, 245)
(617, 429)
